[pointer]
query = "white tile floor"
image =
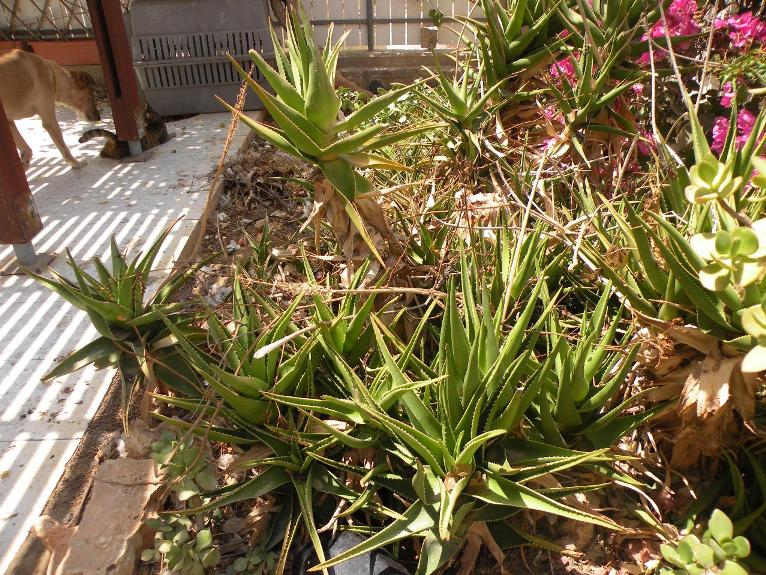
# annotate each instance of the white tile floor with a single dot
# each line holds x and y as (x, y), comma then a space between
(41, 424)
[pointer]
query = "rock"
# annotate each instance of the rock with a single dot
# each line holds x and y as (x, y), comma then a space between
(56, 539)
(217, 294)
(375, 562)
(111, 534)
(138, 441)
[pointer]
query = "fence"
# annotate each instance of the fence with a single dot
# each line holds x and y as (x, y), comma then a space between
(384, 24)
(372, 24)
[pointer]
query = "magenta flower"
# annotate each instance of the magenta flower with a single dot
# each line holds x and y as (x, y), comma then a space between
(680, 19)
(745, 124)
(743, 29)
(646, 144)
(728, 95)
(552, 114)
(564, 69)
(720, 130)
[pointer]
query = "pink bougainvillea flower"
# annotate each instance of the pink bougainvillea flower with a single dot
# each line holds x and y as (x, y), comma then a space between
(552, 113)
(680, 17)
(643, 59)
(742, 29)
(550, 143)
(680, 20)
(720, 130)
(745, 124)
(638, 89)
(646, 143)
(564, 70)
(728, 95)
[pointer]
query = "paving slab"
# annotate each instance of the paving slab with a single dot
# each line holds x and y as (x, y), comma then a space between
(41, 424)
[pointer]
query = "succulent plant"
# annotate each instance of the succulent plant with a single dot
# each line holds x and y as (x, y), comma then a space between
(717, 552)
(183, 552)
(257, 561)
(732, 257)
(188, 468)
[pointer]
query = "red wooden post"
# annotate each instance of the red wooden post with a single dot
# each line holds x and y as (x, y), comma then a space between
(19, 220)
(117, 62)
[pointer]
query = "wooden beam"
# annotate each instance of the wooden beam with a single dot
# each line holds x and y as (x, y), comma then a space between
(117, 61)
(19, 220)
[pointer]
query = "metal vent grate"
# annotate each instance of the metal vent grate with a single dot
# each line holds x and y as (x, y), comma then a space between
(180, 51)
(195, 59)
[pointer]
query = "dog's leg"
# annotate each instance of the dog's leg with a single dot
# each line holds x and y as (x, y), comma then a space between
(25, 152)
(51, 125)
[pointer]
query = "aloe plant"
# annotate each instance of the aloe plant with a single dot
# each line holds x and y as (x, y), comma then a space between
(579, 408)
(675, 269)
(133, 336)
(305, 107)
(594, 89)
(435, 439)
(462, 102)
(514, 38)
(468, 403)
(245, 358)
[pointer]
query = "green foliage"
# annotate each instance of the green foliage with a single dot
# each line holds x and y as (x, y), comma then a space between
(515, 38)
(587, 375)
(709, 267)
(483, 400)
(182, 551)
(465, 103)
(443, 426)
(750, 65)
(257, 561)
(188, 468)
(719, 551)
(305, 107)
(245, 361)
(133, 334)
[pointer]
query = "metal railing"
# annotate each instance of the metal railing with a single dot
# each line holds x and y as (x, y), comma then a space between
(36, 20)
(373, 24)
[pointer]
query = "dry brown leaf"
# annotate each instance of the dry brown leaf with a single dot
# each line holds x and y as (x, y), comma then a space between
(478, 534)
(743, 386)
(707, 389)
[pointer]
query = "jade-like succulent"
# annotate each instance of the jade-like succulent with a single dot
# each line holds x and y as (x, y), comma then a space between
(754, 323)
(182, 552)
(759, 179)
(718, 552)
(257, 561)
(733, 257)
(186, 462)
(711, 180)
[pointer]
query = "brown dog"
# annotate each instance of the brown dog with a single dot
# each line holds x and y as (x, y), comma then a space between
(32, 85)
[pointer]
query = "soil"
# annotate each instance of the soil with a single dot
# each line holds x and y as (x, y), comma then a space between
(68, 498)
(265, 199)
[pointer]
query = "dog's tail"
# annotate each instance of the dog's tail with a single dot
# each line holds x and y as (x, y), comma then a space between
(97, 133)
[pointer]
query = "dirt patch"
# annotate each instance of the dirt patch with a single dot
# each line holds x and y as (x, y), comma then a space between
(256, 222)
(68, 498)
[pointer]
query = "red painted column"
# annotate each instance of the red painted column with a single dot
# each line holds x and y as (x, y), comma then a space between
(117, 62)
(19, 220)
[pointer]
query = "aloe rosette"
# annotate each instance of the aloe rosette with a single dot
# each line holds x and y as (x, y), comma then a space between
(309, 125)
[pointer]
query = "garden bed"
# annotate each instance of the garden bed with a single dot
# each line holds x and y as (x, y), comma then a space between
(510, 320)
